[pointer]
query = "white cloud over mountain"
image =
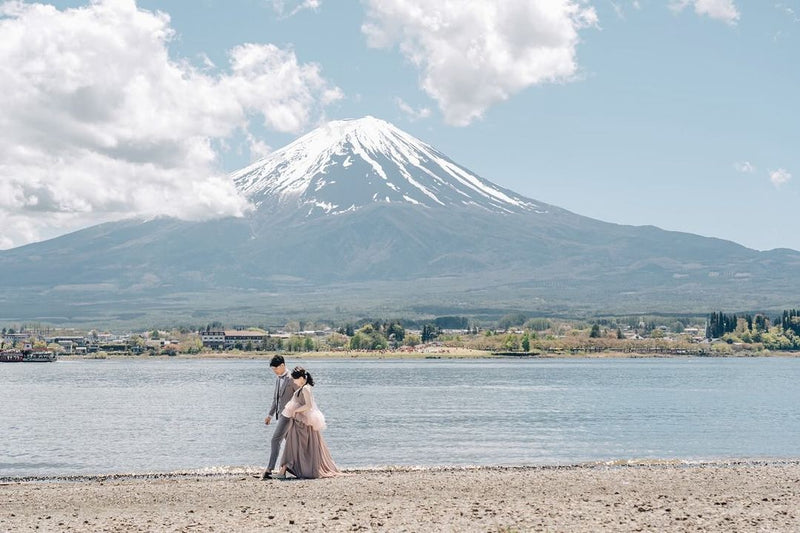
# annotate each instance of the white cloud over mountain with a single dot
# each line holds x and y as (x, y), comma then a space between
(473, 54)
(98, 122)
(411, 113)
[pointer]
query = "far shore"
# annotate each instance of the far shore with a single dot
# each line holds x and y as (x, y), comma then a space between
(660, 497)
(430, 353)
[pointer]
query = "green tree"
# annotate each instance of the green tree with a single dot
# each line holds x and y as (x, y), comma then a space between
(429, 332)
(537, 324)
(451, 322)
(511, 320)
(367, 338)
(359, 341)
(396, 332)
(337, 340)
(595, 332)
(308, 344)
(412, 339)
(511, 342)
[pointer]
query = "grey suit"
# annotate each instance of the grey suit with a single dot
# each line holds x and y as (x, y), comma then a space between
(284, 389)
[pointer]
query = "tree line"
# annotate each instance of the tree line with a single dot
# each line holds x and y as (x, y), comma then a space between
(777, 333)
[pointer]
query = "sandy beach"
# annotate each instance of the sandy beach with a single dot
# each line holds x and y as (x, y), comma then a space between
(745, 496)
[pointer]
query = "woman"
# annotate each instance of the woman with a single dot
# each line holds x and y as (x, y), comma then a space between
(305, 454)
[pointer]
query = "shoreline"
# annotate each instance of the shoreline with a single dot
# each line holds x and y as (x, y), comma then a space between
(741, 495)
(225, 472)
(445, 353)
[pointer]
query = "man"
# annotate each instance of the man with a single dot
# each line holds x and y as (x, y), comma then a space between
(284, 388)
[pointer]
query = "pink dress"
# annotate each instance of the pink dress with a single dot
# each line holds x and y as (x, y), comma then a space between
(305, 454)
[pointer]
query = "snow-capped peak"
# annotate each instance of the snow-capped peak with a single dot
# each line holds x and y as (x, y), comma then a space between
(347, 164)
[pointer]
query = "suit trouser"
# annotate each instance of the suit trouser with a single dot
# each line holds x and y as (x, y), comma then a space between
(277, 438)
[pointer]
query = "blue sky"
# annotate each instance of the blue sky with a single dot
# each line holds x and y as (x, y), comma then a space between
(682, 114)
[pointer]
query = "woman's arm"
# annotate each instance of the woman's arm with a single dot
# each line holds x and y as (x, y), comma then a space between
(307, 399)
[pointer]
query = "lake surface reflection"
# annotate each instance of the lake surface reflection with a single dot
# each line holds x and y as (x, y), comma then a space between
(88, 417)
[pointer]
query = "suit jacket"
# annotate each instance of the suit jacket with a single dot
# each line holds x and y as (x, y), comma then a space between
(284, 388)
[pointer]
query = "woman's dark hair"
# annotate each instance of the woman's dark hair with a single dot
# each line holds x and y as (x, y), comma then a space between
(300, 372)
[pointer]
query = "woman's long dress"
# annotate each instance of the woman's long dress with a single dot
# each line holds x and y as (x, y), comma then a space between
(305, 453)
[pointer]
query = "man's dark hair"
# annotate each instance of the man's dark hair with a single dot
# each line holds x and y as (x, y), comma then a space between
(277, 361)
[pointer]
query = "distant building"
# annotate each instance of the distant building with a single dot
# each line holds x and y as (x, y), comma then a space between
(230, 339)
(70, 343)
(240, 339)
(213, 339)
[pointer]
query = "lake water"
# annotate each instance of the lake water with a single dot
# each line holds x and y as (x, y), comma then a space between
(119, 416)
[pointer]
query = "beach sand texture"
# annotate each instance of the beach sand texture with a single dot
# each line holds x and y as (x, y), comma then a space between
(747, 496)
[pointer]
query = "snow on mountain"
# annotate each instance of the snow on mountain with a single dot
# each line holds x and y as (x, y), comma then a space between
(348, 164)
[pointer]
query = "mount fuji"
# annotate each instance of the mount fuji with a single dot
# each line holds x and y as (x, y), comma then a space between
(349, 164)
(358, 218)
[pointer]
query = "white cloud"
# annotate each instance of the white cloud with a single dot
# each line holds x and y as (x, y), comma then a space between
(410, 112)
(619, 9)
(258, 149)
(745, 167)
(779, 177)
(473, 54)
(97, 122)
(724, 10)
(290, 8)
(788, 11)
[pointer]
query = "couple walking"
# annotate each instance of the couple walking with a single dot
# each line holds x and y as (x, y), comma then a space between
(299, 423)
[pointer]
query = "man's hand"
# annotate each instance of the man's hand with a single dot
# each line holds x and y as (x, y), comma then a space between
(268, 420)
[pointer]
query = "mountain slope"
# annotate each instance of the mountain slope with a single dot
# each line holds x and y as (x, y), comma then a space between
(358, 218)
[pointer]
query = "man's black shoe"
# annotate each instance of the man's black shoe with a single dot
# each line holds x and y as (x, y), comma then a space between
(266, 475)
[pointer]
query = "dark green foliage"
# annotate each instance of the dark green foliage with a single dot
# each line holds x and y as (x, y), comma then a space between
(308, 344)
(791, 321)
(538, 324)
(429, 332)
(526, 343)
(273, 344)
(347, 329)
(719, 324)
(757, 329)
(395, 332)
(451, 322)
(368, 338)
(512, 320)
